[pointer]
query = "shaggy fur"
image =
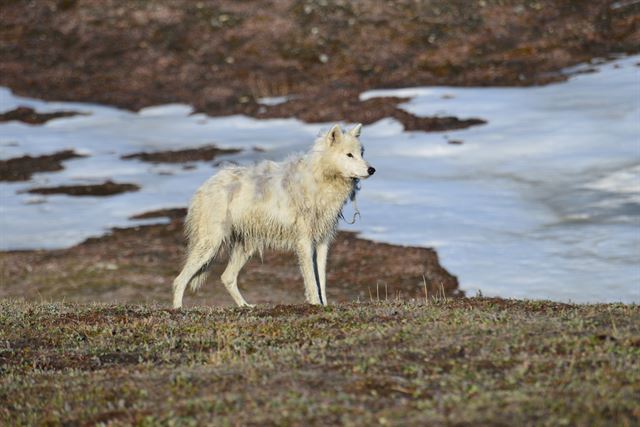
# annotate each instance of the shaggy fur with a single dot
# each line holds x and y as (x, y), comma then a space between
(292, 206)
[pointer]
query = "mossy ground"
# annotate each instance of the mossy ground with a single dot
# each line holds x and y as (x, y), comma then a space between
(440, 362)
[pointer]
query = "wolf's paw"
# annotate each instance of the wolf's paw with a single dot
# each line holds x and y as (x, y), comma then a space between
(315, 303)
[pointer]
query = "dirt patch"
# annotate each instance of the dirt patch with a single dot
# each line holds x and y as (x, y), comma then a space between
(322, 108)
(30, 116)
(22, 168)
(223, 56)
(434, 124)
(108, 188)
(176, 213)
(206, 153)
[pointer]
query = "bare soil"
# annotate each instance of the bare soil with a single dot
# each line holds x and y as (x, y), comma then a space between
(107, 188)
(205, 153)
(138, 265)
(323, 109)
(22, 168)
(30, 116)
(172, 213)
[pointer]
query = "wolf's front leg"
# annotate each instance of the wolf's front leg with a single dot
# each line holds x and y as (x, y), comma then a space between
(306, 257)
(321, 257)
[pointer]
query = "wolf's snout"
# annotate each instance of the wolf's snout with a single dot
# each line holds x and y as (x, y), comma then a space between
(371, 170)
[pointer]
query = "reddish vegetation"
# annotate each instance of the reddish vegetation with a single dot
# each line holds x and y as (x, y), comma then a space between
(222, 56)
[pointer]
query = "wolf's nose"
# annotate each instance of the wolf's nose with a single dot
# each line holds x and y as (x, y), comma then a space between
(371, 170)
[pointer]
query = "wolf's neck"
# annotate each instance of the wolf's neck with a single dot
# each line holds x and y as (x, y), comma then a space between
(326, 192)
(333, 181)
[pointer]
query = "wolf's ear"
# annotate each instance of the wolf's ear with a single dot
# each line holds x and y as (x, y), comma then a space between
(334, 134)
(356, 130)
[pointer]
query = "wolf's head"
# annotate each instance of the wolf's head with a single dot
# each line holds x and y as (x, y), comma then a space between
(344, 153)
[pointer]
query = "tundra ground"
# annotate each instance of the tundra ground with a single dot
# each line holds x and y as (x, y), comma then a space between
(436, 362)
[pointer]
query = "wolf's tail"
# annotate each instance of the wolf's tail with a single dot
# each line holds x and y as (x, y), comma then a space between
(205, 231)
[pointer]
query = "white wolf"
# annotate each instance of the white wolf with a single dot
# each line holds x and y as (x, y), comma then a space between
(293, 206)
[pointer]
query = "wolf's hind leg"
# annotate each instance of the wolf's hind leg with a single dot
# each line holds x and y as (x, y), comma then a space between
(239, 256)
(194, 271)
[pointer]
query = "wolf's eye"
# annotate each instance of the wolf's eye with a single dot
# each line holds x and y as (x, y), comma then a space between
(349, 155)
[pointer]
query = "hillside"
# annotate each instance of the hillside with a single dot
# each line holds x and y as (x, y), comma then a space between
(223, 56)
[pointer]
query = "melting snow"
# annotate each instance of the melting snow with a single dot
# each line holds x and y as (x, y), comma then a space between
(542, 202)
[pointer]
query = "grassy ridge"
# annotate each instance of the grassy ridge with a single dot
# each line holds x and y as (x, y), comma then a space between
(478, 360)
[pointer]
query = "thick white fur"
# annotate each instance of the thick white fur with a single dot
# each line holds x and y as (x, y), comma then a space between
(293, 205)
